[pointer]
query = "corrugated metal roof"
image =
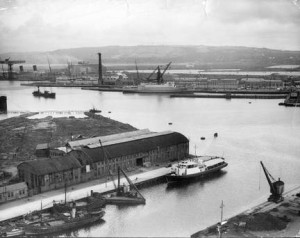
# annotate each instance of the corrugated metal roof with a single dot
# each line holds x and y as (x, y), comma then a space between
(146, 144)
(90, 141)
(42, 146)
(50, 165)
(132, 138)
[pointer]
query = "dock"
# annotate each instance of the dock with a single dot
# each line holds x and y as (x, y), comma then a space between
(236, 227)
(26, 205)
(230, 96)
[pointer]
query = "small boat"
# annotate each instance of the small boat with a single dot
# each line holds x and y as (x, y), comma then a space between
(45, 94)
(216, 134)
(15, 232)
(125, 194)
(195, 168)
(202, 138)
(94, 110)
(292, 99)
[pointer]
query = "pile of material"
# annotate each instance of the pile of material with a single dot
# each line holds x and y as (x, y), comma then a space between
(265, 222)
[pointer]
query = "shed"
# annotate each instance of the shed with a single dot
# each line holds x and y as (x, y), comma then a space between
(42, 150)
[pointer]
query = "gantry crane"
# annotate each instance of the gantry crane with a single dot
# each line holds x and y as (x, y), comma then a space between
(276, 187)
(10, 63)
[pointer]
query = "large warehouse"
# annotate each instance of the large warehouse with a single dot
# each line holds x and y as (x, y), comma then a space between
(93, 158)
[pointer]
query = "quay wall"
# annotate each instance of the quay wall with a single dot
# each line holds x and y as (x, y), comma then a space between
(17, 208)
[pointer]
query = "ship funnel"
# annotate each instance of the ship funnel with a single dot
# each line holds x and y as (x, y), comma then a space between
(34, 68)
(100, 80)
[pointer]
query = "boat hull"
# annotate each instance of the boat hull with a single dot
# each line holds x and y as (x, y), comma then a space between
(171, 178)
(124, 200)
(68, 225)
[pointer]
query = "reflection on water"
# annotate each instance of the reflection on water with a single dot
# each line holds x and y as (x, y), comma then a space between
(247, 134)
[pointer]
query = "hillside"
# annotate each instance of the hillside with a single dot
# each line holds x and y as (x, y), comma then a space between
(205, 57)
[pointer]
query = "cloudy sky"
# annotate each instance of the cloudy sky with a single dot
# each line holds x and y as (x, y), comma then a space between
(44, 25)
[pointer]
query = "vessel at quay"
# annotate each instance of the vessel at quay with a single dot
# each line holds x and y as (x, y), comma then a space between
(195, 168)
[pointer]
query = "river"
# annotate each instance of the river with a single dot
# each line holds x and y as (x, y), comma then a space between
(249, 131)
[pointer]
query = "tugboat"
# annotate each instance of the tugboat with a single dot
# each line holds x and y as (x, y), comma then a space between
(195, 168)
(45, 94)
(94, 110)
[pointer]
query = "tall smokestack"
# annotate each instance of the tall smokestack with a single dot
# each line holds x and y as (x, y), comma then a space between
(100, 80)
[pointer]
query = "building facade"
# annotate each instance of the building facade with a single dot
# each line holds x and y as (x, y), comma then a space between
(12, 192)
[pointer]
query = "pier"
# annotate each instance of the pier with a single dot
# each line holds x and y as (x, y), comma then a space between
(229, 96)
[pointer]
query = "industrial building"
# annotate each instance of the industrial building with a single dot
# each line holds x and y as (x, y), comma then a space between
(259, 83)
(93, 158)
(11, 192)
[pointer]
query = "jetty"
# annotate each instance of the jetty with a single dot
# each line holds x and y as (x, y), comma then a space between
(26, 205)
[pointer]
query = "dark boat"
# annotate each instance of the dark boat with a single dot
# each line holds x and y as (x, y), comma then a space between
(195, 168)
(45, 94)
(94, 110)
(292, 99)
(125, 194)
(62, 222)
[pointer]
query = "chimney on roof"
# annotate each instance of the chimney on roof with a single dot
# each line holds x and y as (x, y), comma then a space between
(100, 80)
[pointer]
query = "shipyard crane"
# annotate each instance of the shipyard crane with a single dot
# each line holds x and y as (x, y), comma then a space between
(159, 77)
(10, 64)
(276, 187)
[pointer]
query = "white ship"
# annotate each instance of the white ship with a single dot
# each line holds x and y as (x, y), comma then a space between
(194, 168)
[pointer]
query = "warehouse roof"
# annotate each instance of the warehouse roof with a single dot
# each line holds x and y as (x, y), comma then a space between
(93, 140)
(115, 150)
(50, 165)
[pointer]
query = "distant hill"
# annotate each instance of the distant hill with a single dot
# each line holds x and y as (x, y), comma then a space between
(202, 57)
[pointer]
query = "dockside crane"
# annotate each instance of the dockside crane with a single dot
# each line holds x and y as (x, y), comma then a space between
(159, 75)
(276, 187)
(10, 63)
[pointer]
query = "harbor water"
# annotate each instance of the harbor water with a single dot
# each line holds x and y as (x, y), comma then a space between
(249, 131)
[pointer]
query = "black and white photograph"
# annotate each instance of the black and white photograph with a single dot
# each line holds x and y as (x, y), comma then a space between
(150, 118)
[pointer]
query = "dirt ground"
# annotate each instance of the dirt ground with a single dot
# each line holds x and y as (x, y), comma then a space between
(19, 136)
(269, 220)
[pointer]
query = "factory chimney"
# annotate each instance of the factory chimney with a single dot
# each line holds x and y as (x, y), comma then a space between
(100, 80)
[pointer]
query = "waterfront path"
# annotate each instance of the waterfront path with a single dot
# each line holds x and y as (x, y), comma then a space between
(26, 205)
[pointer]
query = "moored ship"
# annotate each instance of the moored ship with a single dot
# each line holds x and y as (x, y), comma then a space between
(168, 87)
(195, 168)
(45, 94)
(292, 99)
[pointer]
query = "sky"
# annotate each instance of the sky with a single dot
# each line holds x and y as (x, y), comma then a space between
(46, 25)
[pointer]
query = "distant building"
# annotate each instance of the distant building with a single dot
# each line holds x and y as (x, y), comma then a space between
(89, 160)
(116, 78)
(207, 84)
(261, 83)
